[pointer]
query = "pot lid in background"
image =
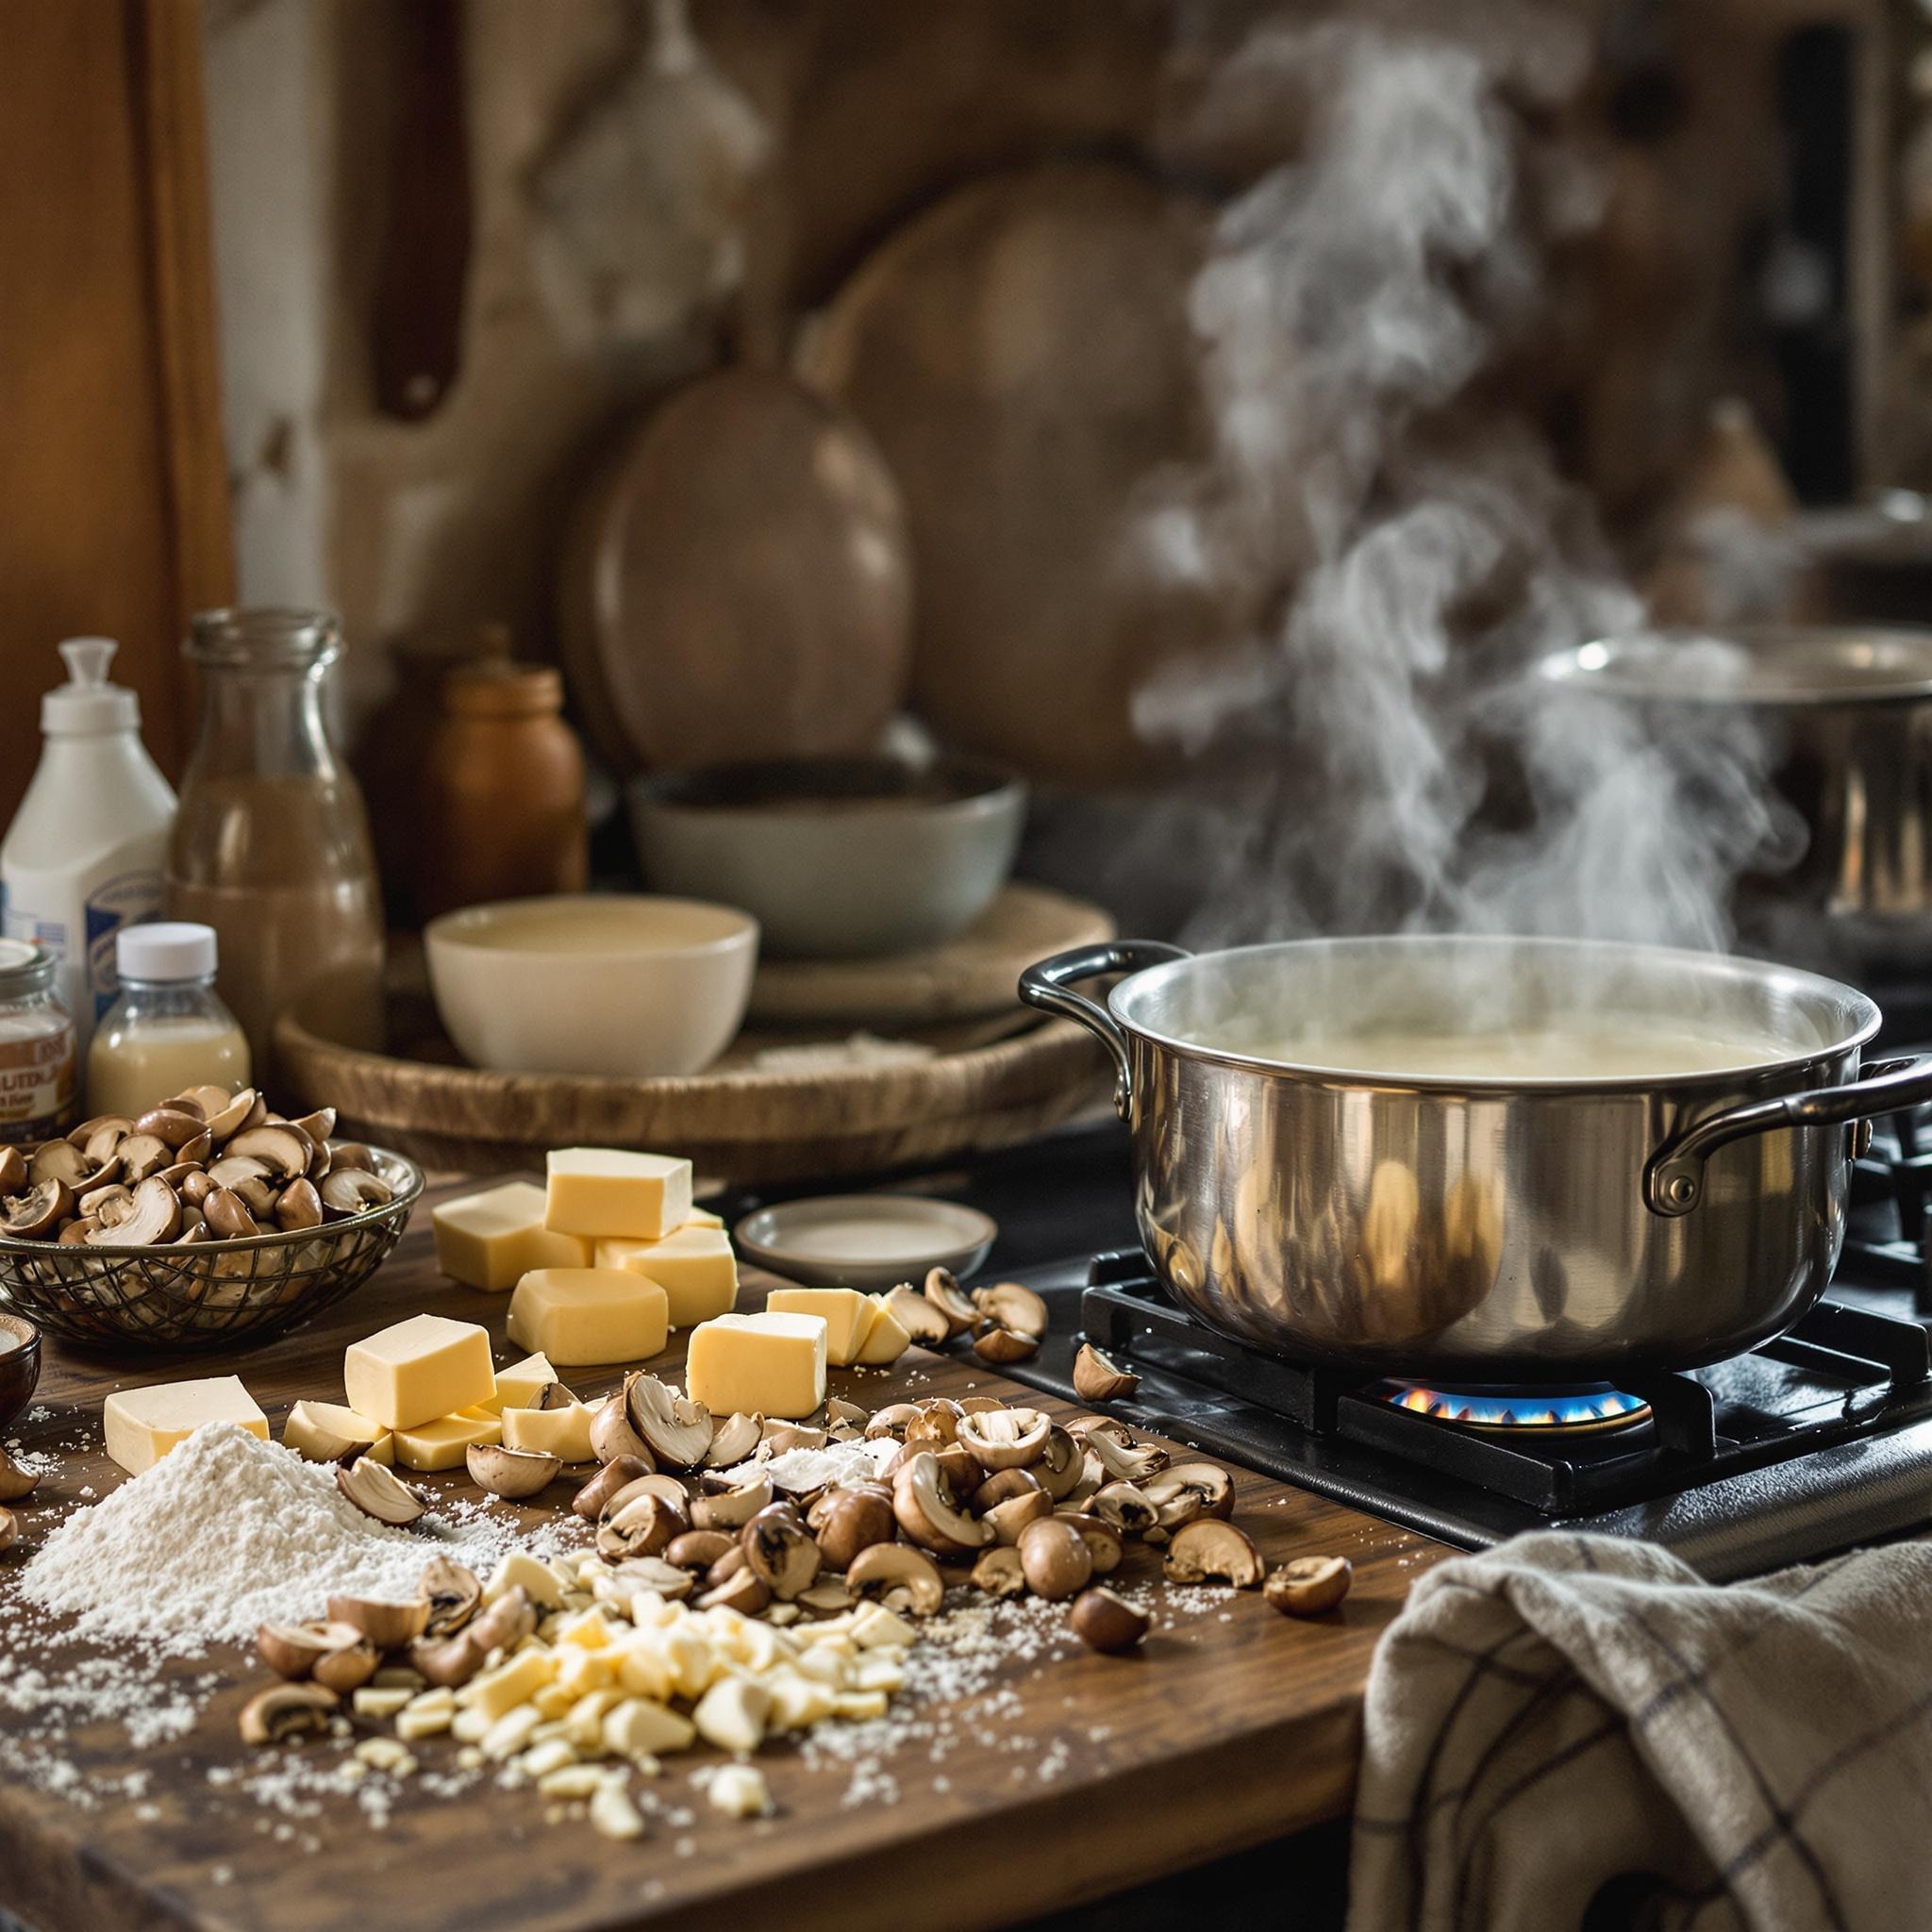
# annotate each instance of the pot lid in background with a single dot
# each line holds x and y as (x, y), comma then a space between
(1753, 664)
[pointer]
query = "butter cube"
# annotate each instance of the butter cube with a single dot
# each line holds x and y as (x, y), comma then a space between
(694, 1266)
(847, 1313)
(886, 1339)
(488, 1240)
(564, 1433)
(511, 1683)
(757, 1364)
(520, 1384)
(326, 1432)
(581, 1315)
(445, 1444)
(603, 1191)
(703, 1217)
(143, 1424)
(419, 1369)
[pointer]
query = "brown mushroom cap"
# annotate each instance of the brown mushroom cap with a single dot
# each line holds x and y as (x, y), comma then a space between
(850, 1521)
(943, 1292)
(925, 1323)
(731, 1509)
(1208, 1550)
(452, 1592)
(923, 1502)
(616, 1474)
(511, 1472)
(1103, 1542)
(287, 1711)
(1008, 1305)
(997, 1344)
(15, 1482)
(1055, 1559)
(999, 1572)
(154, 1216)
(1097, 1377)
(613, 1439)
(1106, 1622)
(677, 1430)
(888, 1568)
(387, 1625)
(698, 1549)
(1308, 1586)
(12, 1172)
(34, 1215)
(378, 1491)
(298, 1206)
(780, 1551)
(281, 1148)
(348, 1667)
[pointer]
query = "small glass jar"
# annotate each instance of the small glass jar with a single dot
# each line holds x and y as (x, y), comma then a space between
(37, 1045)
(167, 1030)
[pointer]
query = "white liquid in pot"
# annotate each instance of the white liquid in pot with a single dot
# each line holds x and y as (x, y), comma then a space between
(1616, 1050)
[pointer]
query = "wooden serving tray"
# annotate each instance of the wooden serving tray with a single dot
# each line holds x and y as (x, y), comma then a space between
(988, 1085)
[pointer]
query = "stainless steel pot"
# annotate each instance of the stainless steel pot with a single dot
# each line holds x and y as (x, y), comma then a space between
(1847, 713)
(1558, 1229)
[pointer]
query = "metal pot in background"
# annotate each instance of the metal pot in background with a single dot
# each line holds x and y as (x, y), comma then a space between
(1847, 713)
(1563, 1228)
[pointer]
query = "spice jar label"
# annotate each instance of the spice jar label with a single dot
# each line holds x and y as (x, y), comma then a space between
(36, 1084)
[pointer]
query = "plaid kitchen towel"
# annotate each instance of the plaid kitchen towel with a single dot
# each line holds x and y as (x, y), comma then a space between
(1578, 1731)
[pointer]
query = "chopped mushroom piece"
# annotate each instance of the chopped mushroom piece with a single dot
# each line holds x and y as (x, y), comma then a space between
(1097, 1377)
(1308, 1586)
(894, 1567)
(1209, 1551)
(287, 1711)
(1106, 1622)
(1008, 1305)
(943, 1292)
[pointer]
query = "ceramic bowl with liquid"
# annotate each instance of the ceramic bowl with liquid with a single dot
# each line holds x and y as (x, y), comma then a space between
(619, 986)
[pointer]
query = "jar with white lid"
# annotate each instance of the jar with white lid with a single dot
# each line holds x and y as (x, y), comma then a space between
(37, 1045)
(167, 1030)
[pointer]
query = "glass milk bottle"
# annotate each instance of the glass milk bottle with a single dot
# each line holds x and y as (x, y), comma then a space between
(168, 1030)
(271, 843)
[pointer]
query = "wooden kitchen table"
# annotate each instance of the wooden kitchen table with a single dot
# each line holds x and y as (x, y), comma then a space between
(1067, 1776)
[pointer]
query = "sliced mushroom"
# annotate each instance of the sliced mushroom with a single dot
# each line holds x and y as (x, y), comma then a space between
(655, 1482)
(282, 1149)
(13, 1171)
(76, 1233)
(668, 1579)
(923, 1320)
(1005, 1438)
(505, 1624)
(618, 1474)
(1000, 1573)
(175, 1126)
(1008, 1305)
(387, 1625)
(377, 1491)
(893, 1420)
(1004, 1345)
(228, 1216)
(1097, 1377)
(742, 1592)
(352, 1191)
(1055, 1559)
(448, 1662)
(293, 1650)
(452, 1592)
(1126, 1507)
(298, 1206)
(100, 1138)
(1209, 1488)
(318, 1125)
(287, 1711)
(849, 1521)
(1208, 1550)
(142, 1154)
(193, 1152)
(613, 1439)
(780, 1552)
(1131, 1463)
(1060, 1464)
(154, 1216)
(9, 1529)
(350, 1154)
(639, 1527)
(231, 1170)
(779, 1436)
(734, 1440)
(732, 1508)
(1103, 1542)
(677, 1430)
(1105, 1622)
(513, 1473)
(229, 1120)
(60, 1160)
(1308, 1586)
(893, 1568)
(204, 1102)
(552, 1396)
(943, 1292)
(110, 1206)
(698, 1549)
(348, 1667)
(15, 1482)
(924, 1503)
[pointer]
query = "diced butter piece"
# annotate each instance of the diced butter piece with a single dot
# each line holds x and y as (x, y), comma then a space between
(488, 1240)
(511, 1683)
(419, 1369)
(326, 1432)
(847, 1313)
(604, 1191)
(693, 1266)
(885, 1341)
(445, 1444)
(703, 1217)
(143, 1424)
(564, 1433)
(518, 1385)
(581, 1315)
(757, 1364)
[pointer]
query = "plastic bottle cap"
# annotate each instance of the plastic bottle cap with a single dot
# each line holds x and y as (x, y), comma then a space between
(86, 702)
(165, 949)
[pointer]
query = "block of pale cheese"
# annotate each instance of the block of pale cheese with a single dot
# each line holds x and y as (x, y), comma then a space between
(418, 1369)
(757, 1364)
(885, 1341)
(143, 1424)
(605, 1191)
(518, 1385)
(694, 1266)
(847, 1313)
(564, 1433)
(580, 1315)
(445, 1443)
(492, 1239)
(326, 1432)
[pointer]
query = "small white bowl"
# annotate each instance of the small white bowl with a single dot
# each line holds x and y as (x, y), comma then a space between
(623, 986)
(865, 1241)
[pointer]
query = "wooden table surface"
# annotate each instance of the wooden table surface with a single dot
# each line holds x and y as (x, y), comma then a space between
(1067, 1776)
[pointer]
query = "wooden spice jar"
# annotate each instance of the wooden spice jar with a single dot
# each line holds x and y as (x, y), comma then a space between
(502, 793)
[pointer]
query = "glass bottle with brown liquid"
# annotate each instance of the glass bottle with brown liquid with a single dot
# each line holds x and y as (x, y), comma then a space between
(271, 845)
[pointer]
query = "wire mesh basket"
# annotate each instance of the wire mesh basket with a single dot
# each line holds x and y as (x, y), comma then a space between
(207, 1294)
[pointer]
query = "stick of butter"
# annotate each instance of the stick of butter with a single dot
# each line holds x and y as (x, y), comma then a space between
(847, 1313)
(488, 1240)
(418, 1369)
(605, 1191)
(140, 1425)
(577, 1316)
(694, 1266)
(757, 1364)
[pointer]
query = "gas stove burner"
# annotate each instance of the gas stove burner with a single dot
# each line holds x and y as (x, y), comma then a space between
(1591, 1410)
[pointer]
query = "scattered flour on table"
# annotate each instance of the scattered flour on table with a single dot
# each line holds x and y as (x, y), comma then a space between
(229, 1532)
(798, 1470)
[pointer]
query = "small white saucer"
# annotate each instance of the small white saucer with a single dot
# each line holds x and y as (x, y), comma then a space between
(865, 1241)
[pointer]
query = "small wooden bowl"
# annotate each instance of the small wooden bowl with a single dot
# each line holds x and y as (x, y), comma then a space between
(20, 1367)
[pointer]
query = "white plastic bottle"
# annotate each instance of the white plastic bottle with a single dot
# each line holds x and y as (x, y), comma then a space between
(83, 855)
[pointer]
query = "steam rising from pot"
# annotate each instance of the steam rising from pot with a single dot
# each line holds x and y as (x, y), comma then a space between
(1378, 754)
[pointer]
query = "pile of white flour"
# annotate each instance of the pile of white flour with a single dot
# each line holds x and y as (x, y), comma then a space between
(229, 1532)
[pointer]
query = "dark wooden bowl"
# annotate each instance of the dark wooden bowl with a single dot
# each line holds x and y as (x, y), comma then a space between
(19, 1367)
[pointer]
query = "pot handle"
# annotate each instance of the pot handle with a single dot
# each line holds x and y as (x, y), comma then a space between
(1674, 1175)
(1048, 984)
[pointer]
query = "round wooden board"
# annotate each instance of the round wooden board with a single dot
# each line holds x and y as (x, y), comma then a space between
(967, 978)
(737, 1123)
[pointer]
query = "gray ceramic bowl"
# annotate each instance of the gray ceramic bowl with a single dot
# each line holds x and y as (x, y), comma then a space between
(20, 1365)
(837, 859)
